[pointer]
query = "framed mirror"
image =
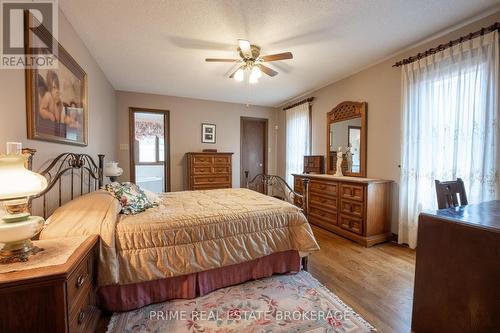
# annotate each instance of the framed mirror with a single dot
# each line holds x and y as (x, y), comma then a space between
(346, 132)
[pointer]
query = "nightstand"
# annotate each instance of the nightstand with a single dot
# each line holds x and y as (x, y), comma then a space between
(55, 298)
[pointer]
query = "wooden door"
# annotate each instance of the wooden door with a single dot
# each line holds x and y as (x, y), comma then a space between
(253, 148)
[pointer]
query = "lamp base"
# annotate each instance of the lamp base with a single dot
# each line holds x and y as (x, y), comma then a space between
(18, 251)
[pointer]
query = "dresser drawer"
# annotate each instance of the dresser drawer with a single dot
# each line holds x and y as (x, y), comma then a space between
(323, 187)
(213, 179)
(202, 170)
(352, 192)
(222, 159)
(354, 208)
(325, 216)
(81, 315)
(79, 281)
(221, 170)
(325, 202)
(202, 159)
(351, 223)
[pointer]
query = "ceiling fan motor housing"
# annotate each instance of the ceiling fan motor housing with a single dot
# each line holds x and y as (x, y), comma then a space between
(255, 53)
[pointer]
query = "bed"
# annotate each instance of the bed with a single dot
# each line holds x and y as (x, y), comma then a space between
(193, 242)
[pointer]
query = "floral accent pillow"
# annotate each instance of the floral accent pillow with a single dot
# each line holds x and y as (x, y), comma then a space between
(132, 199)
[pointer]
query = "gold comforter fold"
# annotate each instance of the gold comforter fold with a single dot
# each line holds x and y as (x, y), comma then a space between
(194, 231)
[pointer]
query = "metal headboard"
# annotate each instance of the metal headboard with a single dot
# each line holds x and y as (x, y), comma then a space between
(69, 165)
(277, 187)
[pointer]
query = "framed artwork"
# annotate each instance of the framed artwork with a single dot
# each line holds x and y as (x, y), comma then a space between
(208, 134)
(56, 98)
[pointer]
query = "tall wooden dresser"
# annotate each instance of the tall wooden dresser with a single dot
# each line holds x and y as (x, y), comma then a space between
(356, 208)
(208, 171)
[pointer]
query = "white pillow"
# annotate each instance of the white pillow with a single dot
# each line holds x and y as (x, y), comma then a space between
(153, 197)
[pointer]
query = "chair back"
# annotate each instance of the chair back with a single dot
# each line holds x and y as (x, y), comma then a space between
(449, 192)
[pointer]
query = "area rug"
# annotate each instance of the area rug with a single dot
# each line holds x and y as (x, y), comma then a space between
(281, 303)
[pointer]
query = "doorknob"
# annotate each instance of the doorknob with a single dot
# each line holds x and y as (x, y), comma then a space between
(260, 164)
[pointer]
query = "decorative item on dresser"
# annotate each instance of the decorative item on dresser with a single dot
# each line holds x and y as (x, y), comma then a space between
(208, 171)
(314, 164)
(49, 297)
(356, 208)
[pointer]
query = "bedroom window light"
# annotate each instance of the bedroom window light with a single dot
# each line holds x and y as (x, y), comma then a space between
(161, 149)
(147, 149)
(450, 128)
(298, 141)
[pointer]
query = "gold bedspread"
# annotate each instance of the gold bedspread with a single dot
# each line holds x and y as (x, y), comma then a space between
(188, 232)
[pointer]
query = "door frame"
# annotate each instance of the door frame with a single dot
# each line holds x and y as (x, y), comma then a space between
(166, 147)
(266, 144)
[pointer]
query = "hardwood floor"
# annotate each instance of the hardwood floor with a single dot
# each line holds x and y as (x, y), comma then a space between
(377, 282)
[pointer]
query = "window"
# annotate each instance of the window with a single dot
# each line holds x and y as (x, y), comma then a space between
(450, 116)
(151, 150)
(297, 139)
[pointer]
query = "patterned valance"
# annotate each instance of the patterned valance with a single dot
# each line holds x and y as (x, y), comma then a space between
(147, 128)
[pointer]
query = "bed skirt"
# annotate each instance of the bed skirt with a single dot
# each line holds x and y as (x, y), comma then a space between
(132, 296)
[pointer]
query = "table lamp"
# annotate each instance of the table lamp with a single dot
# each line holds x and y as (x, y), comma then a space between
(17, 185)
(112, 171)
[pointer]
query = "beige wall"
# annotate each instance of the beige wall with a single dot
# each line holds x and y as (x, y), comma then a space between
(186, 117)
(380, 87)
(101, 105)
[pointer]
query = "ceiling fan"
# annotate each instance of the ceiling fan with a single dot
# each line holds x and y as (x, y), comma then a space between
(252, 62)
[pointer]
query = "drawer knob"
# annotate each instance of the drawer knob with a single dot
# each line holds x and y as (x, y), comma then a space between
(81, 317)
(210, 180)
(80, 281)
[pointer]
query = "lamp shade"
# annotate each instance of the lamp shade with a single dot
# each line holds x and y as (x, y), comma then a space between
(16, 181)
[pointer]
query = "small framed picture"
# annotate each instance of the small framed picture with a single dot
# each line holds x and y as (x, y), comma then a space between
(208, 133)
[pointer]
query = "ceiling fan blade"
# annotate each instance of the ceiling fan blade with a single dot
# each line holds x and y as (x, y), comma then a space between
(234, 72)
(220, 60)
(267, 70)
(245, 48)
(278, 56)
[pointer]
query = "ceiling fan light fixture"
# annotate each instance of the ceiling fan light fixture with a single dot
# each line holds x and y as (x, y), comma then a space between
(239, 75)
(256, 72)
(253, 79)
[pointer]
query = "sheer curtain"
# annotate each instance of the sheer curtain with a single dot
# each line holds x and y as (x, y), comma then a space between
(450, 128)
(297, 139)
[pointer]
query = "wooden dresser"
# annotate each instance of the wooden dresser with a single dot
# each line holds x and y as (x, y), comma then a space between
(356, 208)
(52, 299)
(208, 171)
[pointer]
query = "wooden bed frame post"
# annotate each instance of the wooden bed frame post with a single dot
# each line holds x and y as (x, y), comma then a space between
(101, 170)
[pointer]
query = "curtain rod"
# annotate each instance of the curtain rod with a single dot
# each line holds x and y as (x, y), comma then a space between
(451, 43)
(307, 100)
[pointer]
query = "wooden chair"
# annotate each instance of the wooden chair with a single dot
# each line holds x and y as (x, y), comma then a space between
(449, 192)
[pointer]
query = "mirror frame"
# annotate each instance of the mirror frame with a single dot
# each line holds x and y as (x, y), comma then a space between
(346, 111)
